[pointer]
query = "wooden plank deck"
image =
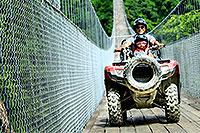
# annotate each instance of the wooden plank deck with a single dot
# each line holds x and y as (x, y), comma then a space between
(148, 120)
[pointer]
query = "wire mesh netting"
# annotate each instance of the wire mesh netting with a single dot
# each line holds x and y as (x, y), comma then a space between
(180, 32)
(82, 13)
(51, 74)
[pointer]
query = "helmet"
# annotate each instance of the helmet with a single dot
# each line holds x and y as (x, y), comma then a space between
(141, 41)
(123, 41)
(141, 38)
(139, 21)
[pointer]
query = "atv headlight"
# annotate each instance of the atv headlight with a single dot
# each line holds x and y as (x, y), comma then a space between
(119, 73)
(166, 72)
(164, 69)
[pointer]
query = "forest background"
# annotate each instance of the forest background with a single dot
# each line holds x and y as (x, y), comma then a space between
(153, 11)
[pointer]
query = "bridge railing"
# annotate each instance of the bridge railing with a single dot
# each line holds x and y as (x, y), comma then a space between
(180, 32)
(51, 73)
(82, 14)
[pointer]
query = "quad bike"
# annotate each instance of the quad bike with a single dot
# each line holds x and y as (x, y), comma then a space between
(142, 82)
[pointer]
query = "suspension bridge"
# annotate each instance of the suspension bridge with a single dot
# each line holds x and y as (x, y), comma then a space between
(52, 57)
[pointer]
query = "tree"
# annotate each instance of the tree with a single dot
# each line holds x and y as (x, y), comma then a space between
(179, 26)
(153, 11)
(104, 11)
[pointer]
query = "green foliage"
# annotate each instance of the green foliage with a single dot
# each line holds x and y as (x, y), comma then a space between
(8, 86)
(179, 26)
(153, 11)
(104, 10)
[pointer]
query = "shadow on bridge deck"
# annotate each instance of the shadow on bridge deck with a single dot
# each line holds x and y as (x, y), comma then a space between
(148, 120)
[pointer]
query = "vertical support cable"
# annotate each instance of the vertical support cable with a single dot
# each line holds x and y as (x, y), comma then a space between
(83, 13)
(191, 17)
(69, 14)
(71, 10)
(198, 16)
(80, 16)
(86, 17)
(66, 8)
(179, 21)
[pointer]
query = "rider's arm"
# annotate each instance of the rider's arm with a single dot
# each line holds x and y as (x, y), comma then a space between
(126, 44)
(154, 42)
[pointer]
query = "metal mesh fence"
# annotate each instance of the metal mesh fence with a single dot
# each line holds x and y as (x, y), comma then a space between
(51, 74)
(82, 13)
(180, 32)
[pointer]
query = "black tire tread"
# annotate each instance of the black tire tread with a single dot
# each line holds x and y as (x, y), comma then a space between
(114, 108)
(172, 108)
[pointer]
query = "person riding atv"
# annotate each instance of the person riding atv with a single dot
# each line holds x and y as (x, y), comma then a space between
(141, 45)
(140, 27)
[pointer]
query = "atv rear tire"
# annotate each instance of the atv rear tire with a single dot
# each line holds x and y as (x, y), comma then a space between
(114, 108)
(172, 107)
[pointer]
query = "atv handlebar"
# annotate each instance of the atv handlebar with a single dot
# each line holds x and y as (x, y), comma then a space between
(155, 47)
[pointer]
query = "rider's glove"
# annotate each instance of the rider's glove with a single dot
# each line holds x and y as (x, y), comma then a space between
(123, 50)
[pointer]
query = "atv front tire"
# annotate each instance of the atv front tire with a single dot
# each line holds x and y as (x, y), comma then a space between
(172, 107)
(115, 108)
